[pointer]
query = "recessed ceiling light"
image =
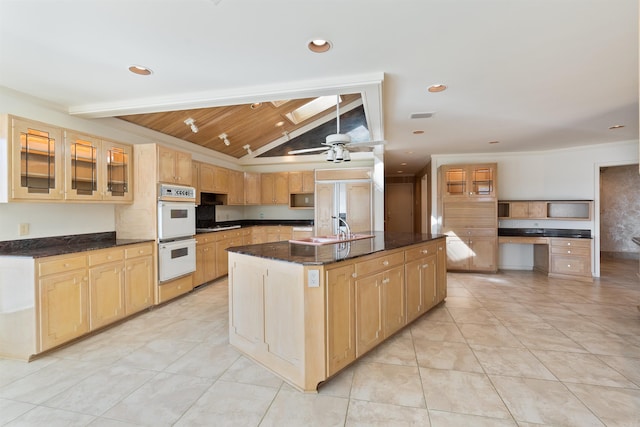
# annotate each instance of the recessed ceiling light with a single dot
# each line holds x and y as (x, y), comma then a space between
(140, 70)
(409, 152)
(403, 164)
(319, 45)
(256, 105)
(400, 171)
(494, 142)
(279, 124)
(437, 88)
(616, 127)
(418, 132)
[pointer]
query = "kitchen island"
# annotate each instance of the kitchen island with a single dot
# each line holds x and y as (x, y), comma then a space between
(308, 311)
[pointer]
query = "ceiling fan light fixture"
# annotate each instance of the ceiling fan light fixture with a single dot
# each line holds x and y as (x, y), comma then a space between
(330, 155)
(319, 45)
(338, 138)
(346, 156)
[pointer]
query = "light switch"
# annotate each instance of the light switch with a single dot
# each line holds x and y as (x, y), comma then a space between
(313, 278)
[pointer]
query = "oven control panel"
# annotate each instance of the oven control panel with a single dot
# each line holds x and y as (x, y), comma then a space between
(176, 192)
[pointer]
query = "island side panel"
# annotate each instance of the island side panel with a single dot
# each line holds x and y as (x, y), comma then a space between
(268, 322)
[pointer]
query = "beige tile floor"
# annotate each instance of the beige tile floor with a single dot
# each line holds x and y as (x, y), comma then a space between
(510, 349)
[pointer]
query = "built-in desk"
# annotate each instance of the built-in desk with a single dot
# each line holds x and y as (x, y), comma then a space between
(556, 255)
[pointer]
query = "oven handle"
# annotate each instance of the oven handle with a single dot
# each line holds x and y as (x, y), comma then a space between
(176, 243)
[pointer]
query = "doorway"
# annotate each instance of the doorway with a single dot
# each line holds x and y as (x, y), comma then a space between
(616, 199)
(398, 207)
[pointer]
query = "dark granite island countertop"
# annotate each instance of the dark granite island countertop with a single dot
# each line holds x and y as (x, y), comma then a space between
(330, 253)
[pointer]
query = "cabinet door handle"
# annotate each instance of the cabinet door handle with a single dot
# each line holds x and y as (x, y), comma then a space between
(354, 275)
(425, 265)
(568, 252)
(385, 281)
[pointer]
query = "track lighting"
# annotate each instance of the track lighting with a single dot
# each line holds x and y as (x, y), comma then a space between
(223, 136)
(248, 148)
(192, 123)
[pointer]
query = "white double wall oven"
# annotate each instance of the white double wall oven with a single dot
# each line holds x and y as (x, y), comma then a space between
(176, 231)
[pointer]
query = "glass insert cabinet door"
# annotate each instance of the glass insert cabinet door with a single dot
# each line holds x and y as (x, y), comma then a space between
(82, 167)
(456, 181)
(118, 171)
(482, 181)
(37, 161)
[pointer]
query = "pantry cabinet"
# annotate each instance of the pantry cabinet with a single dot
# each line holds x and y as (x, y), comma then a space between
(174, 167)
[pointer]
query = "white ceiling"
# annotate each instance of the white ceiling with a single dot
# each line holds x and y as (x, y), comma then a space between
(532, 74)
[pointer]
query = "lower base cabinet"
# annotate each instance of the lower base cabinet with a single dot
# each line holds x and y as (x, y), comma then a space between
(308, 322)
(79, 293)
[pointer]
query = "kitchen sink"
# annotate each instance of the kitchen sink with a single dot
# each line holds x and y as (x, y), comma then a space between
(329, 240)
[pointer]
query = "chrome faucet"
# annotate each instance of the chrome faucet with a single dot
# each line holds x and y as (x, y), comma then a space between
(342, 233)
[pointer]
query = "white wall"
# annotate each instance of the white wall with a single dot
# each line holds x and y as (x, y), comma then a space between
(571, 173)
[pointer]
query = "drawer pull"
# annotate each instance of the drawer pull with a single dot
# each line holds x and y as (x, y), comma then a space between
(568, 243)
(568, 252)
(424, 251)
(385, 262)
(354, 275)
(66, 265)
(141, 251)
(568, 265)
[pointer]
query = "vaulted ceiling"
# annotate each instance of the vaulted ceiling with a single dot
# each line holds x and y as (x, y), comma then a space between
(529, 74)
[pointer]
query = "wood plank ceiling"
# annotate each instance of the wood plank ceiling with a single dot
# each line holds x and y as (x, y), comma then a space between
(253, 124)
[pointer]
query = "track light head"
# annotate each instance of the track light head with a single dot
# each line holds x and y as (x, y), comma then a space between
(223, 137)
(191, 122)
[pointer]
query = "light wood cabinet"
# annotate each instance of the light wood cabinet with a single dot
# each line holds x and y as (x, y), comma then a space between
(195, 180)
(174, 167)
(106, 294)
(356, 198)
(236, 188)
(174, 288)
(325, 208)
(307, 323)
(252, 188)
(576, 210)
(301, 182)
(341, 338)
(139, 277)
(476, 181)
(37, 160)
(379, 299)
(214, 179)
(570, 257)
(468, 205)
(472, 250)
(62, 299)
(97, 169)
(274, 188)
(224, 240)
(422, 274)
(359, 206)
(205, 259)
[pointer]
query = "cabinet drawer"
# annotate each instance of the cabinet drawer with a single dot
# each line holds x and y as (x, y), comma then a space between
(60, 265)
(561, 264)
(524, 240)
(420, 251)
(175, 288)
(202, 239)
(584, 243)
(571, 250)
(105, 256)
(379, 263)
(138, 250)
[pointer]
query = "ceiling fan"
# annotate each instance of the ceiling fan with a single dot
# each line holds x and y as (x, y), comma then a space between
(338, 145)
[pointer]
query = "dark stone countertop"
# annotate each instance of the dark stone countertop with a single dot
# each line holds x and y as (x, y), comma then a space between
(225, 225)
(545, 232)
(328, 254)
(60, 245)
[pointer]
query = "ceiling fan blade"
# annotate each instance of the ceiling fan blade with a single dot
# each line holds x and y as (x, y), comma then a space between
(308, 150)
(365, 143)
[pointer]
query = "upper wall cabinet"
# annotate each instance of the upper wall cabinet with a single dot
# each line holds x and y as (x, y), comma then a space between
(469, 181)
(50, 163)
(96, 169)
(301, 182)
(37, 168)
(174, 167)
(213, 179)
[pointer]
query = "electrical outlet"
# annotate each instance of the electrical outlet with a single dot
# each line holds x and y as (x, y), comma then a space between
(24, 228)
(313, 278)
